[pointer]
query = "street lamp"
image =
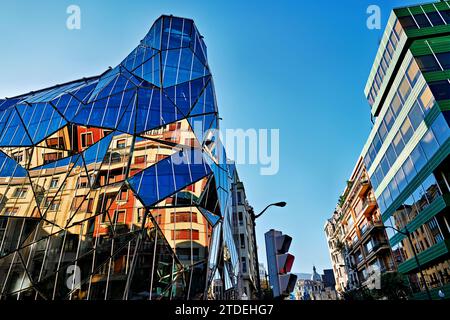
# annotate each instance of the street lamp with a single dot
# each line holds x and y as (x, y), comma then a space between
(419, 266)
(281, 204)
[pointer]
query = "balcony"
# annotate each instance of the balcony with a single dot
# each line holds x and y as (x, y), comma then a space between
(369, 204)
(364, 185)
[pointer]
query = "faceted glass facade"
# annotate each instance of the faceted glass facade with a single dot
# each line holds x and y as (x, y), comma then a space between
(112, 187)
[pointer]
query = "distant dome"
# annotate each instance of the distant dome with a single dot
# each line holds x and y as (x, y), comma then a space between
(315, 276)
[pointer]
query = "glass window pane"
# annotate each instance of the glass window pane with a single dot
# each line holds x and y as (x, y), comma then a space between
(404, 89)
(413, 72)
(396, 105)
(429, 144)
(389, 119)
(408, 170)
(398, 143)
(422, 20)
(385, 165)
(440, 129)
(435, 18)
(444, 60)
(428, 63)
(427, 99)
(406, 130)
(415, 115)
(390, 153)
(418, 158)
(408, 23)
(441, 90)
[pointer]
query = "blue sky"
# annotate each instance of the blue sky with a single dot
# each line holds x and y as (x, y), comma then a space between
(300, 66)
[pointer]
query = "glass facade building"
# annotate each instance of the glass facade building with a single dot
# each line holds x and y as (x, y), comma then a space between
(114, 186)
(407, 152)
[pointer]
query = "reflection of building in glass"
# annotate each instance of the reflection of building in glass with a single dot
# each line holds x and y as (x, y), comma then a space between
(406, 155)
(111, 187)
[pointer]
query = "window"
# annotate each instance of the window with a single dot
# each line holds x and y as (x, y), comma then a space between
(54, 183)
(244, 264)
(19, 193)
(444, 60)
(239, 198)
(435, 18)
(408, 23)
(50, 157)
(385, 165)
(408, 169)
(185, 234)
(120, 216)
(3, 223)
(369, 246)
(401, 180)
(18, 156)
(390, 154)
(441, 90)
(413, 72)
(440, 129)
(121, 144)
(415, 115)
(82, 182)
(56, 143)
(418, 158)
(184, 216)
(240, 217)
(242, 240)
(428, 63)
(123, 195)
(376, 143)
(86, 140)
(10, 211)
(422, 20)
(446, 15)
(51, 204)
(398, 143)
(382, 131)
(396, 105)
(140, 159)
(406, 130)
(389, 119)
(398, 29)
(404, 89)
(429, 144)
(427, 99)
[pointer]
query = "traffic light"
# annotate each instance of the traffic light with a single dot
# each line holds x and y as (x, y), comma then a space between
(280, 263)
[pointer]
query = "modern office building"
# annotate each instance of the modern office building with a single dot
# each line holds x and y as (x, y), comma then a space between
(112, 187)
(243, 231)
(407, 153)
(363, 249)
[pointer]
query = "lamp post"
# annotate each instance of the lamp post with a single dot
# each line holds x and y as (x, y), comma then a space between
(254, 217)
(419, 266)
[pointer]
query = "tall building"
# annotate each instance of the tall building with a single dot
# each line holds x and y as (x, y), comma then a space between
(243, 231)
(113, 187)
(335, 235)
(363, 243)
(406, 155)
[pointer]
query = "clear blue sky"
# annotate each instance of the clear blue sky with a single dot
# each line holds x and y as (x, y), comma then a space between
(299, 66)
